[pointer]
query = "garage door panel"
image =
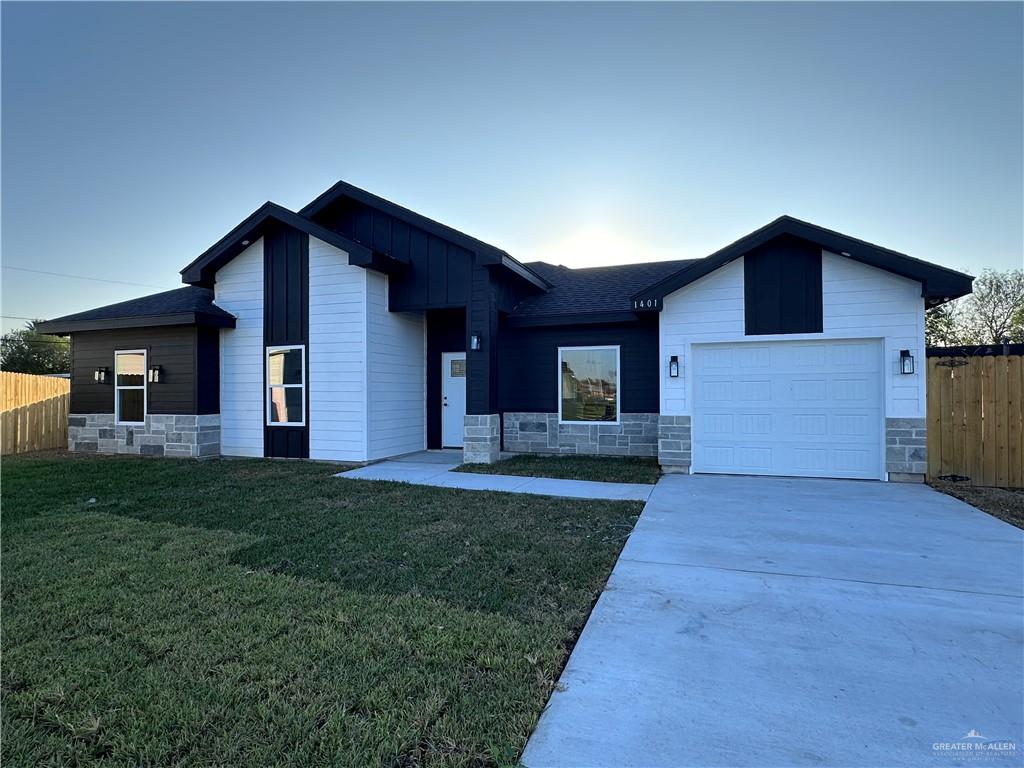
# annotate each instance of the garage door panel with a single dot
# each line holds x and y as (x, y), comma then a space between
(794, 413)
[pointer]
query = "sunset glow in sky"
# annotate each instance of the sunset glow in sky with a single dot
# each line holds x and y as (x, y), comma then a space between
(136, 135)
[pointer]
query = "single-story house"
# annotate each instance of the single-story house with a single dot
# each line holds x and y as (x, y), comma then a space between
(355, 330)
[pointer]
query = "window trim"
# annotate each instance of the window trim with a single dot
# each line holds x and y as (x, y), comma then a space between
(144, 388)
(268, 387)
(618, 383)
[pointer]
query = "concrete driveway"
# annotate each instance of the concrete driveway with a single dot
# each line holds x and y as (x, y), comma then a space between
(778, 622)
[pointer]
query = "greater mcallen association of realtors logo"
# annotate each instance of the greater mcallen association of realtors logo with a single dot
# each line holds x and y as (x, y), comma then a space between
(973, 745)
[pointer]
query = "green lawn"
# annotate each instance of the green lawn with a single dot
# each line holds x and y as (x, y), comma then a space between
(256, 612)
(609, 469)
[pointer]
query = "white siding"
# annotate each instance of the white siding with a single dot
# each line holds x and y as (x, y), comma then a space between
(239, 290)
(858, 302)
(396, 382)
(337, 355)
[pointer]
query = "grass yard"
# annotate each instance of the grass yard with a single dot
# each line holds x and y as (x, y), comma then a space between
(249, 613)
(609, 469)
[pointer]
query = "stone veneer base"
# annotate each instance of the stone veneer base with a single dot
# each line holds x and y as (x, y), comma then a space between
(674, 443)
(906, 449)
(636, 434)
(186, 436)
(481, 439)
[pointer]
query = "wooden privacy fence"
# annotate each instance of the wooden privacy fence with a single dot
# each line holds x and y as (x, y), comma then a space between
(976, 414)
(34, 413)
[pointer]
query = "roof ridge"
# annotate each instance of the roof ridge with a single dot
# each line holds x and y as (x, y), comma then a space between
(610, 266)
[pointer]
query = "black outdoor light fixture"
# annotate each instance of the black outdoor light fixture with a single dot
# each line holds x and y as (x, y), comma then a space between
(155, 372)
(100, 376)
(673, 366)
(474, 342)
(906, 361)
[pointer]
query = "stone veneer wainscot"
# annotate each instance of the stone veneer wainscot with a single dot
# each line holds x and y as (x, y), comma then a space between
(674, 443)
(182, 436)
(906, 449)
(481, 439)
(635, 435)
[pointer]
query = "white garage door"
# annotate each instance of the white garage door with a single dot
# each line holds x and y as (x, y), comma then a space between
(789, 408)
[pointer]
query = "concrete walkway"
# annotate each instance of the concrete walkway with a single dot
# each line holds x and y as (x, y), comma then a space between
(780, 622)
(435, 468)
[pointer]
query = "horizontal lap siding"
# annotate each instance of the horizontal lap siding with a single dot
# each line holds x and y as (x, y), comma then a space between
(858, 301)
(396, 375)
(173, 348)
(337, 355)
(239, 290)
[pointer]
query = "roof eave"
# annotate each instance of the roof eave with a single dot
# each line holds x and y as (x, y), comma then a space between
(61, 327)
(202, 269)
(488, 254)
(937, 283)
(581, 318)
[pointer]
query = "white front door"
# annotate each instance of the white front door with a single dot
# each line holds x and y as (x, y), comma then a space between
(797, 408)
(453, 398)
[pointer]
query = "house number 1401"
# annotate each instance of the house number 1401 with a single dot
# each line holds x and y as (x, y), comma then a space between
(645, 303)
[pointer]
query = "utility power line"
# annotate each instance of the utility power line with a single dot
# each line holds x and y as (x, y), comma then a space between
(84, 277)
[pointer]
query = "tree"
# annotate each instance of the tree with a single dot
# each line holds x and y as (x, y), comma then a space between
(943, 326)
(995, 307)
(28, 351)
(992, 313)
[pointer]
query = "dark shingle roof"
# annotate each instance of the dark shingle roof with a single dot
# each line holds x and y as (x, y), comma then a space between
(593, 290)
(181, 306)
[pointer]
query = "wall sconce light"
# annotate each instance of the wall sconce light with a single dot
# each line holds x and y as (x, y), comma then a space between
(673, 366)
(475, 342)
(100, 376)
(155, 371)
(906, 361)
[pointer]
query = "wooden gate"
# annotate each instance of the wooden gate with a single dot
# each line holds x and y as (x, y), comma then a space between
(34, 414)
(975, 414)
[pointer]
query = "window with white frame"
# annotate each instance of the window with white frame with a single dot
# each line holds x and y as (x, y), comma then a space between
(588, 384)
(130, 386)
(286, 386)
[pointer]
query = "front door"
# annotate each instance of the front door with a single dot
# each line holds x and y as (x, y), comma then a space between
(453, 398)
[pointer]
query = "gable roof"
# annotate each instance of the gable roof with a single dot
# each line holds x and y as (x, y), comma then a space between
(938, 284)
(202, 270)
(182, 306)
(592, 294)
(488, 254)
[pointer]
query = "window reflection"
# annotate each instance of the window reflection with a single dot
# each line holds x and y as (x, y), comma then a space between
(130, 369)
(589, 384)
(286, 390)
(285, 366)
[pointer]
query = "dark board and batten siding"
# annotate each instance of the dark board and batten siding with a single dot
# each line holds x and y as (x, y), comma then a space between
(529, 364)
(782, 287)
(286, 322)
(438, 272)
(189, 383)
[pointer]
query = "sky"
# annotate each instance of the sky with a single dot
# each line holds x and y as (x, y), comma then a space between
(135, 135)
